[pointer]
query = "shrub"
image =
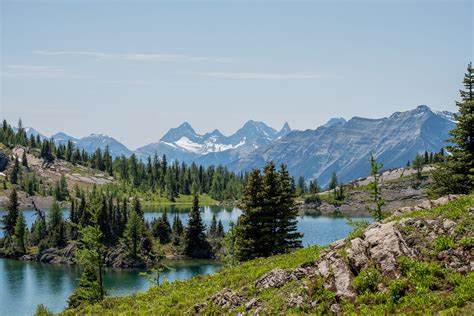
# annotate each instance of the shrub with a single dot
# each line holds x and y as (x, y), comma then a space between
(467, 242)
(324, 297)
(367, 281)
(443, 243)
(397, 289)
(463, 291)
(422, 275)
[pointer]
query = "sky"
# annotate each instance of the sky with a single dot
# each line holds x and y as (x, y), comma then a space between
(135, 69)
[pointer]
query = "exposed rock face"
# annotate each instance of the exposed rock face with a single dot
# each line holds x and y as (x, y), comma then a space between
(385, 244)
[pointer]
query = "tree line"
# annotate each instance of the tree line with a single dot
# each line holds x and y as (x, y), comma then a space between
(155, 174)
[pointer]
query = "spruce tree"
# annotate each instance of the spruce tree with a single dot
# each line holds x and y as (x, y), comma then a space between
(213, 227)
(268, 223)
(134, 231)
(418, 163)
(20, 234)
(301, 187)
(286, 232)
(15, 175)
(90, 255)
(230, 243)
(220, 229)
(456, 174)
(178, 230)
(56, 227)
(162, 229)
(9, 219)
(374, 186)
(196, 244)
(137, 207)
(250, 223)
(24, 160)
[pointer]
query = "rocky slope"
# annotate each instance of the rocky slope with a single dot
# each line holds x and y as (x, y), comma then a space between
(420, 260)
(48, 173)
(385, 249)
(399, 188)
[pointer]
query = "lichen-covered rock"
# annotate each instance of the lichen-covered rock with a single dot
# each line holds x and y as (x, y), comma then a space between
(275, 278)
(357, 254)
(386, 244)
(227, 299)
(342, 279)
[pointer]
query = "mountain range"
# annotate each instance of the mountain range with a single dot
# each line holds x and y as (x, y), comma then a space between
(339, 145)
(344, 146)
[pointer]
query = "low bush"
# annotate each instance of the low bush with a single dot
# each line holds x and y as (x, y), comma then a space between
(443, 243)
(367, 281)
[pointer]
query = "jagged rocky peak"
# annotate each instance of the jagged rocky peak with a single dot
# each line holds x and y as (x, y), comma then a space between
(175, 134)
(335, 121)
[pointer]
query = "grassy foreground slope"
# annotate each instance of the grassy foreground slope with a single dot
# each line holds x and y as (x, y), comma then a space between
(419, 261)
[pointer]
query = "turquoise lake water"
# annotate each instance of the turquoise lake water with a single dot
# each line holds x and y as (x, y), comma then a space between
(24, 285)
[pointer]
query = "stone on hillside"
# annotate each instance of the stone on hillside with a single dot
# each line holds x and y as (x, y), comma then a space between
(275, 278)
(254, 302)
(357, 254)
(448, 224)
(336, 309)
(342, 279)
(385, 245)
(227, 299)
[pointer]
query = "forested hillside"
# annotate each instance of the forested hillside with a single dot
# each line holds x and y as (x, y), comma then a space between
(40, 167)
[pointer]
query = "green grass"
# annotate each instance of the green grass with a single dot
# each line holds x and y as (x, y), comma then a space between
(180, 296)
(455, 210)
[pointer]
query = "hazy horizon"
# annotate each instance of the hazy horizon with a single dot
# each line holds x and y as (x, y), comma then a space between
(15, 123)
(137, 69)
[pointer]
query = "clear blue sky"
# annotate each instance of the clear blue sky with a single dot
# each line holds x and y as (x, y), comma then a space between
(134, 69)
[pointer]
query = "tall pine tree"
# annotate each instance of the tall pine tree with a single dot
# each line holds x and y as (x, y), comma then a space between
(196, 244)
(268, 223)
(456, 174)
(9, 219)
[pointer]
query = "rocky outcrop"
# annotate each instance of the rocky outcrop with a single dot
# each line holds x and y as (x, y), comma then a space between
(53, 255)
(397, 193)
(227, 298)
(378, 247)
(117, 257)
(274, 278)
(120, 257)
